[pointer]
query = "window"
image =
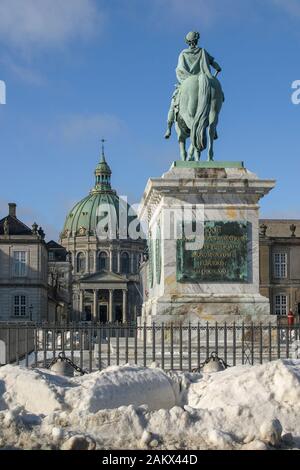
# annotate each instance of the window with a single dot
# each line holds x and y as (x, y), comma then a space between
(81, 263)
(280, 304)
(125, 263)
(280, 265)
(51, 256)
(19, 268)
(102, 261)
(19, 305)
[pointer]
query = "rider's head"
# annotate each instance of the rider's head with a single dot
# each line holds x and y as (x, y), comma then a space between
(192, 38)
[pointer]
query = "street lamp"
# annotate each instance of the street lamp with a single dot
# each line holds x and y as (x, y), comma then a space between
(30, 312)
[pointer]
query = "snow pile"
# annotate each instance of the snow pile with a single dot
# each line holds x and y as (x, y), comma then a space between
(244, 407)
(119, 386)
(36, 390)
(242, 399)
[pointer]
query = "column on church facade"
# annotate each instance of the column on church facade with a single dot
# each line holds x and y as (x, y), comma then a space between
(119, 261)
(81, 302)
(111, 260)
(124, 316)
(132, 262)
(110, 305)
(95, 305)
(95, 261)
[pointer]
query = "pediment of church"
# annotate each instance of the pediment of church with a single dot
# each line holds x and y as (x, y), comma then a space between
(103, 277)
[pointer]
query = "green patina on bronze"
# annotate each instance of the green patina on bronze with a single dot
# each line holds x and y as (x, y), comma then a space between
(213, 164)
(223, 258)
(197, 100)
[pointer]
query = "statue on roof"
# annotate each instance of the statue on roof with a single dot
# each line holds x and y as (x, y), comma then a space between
(196, 101)
(6, 227)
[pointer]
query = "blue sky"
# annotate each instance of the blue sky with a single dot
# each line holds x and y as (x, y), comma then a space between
(80, 70)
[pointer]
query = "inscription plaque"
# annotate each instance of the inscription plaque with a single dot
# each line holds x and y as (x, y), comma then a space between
(223, 258)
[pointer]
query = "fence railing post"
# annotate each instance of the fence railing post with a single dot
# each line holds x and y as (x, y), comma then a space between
(243, 343)
(7, 349)
(126, 344)
(207, 340)
(145, 345)
(36, 346)
(90, 345)
(190, 346)
(260, 343)
(180, 347)
(17, 345)
(270, 341)
(216, 338)
(287, 345)
(153, 342)
(252, 343)
(26, 346)
(171, 347)
(234, 343)
(198, 346)
(99, 346)
(162, 346)
(44, 339)
(225, 342)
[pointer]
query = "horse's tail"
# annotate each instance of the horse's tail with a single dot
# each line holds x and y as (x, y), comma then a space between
(201, 119)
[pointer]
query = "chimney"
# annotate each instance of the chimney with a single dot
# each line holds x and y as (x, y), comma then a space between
(12, 209)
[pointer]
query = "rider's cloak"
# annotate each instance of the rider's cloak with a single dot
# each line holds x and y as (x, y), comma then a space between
(193, 62)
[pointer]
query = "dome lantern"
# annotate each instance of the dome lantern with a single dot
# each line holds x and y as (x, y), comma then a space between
(102, 174)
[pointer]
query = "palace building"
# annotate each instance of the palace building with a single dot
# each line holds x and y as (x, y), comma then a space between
(279, 247)
(23, 270)
(106, 281)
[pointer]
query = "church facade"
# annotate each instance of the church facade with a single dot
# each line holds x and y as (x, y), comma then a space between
(106, 279)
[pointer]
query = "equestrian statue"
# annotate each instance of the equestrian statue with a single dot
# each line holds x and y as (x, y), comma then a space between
(196, 101)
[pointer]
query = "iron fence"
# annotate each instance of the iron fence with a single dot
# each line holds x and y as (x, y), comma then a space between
(94, 346)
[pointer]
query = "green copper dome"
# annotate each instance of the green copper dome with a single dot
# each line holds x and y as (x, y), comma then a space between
(85, 216)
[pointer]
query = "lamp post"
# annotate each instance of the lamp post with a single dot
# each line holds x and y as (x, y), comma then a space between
(30, 312)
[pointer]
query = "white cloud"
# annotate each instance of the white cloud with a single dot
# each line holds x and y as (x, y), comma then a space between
(50, 23)
(79, 126)
(23, 72)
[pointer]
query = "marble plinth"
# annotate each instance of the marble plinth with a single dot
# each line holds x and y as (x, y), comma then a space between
(220, 281)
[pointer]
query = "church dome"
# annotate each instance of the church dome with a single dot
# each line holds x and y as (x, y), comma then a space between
(100, 206)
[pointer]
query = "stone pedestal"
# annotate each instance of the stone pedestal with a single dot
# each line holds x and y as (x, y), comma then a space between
(215, 281)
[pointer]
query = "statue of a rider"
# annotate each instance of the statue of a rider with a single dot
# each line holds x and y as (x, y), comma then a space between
(191, 62)
(188, 64)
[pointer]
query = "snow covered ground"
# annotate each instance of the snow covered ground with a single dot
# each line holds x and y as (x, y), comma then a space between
(131, 407)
